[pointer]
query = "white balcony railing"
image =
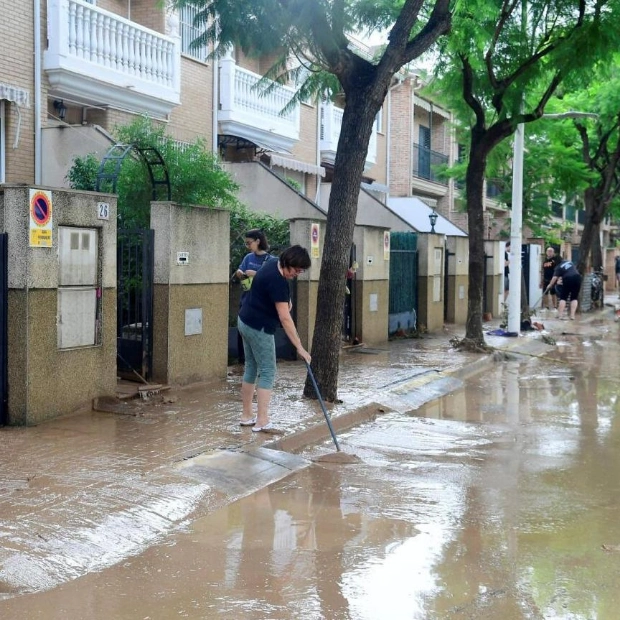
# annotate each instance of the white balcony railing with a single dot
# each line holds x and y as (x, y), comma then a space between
(331, 126)
(97, 56)
(247, 111)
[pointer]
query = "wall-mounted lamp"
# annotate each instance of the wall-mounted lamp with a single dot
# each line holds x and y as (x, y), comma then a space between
(432, 216)
(61, 108)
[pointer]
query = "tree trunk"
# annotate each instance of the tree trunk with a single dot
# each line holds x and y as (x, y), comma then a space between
(590, 233)
(357, 122)
(474, 191)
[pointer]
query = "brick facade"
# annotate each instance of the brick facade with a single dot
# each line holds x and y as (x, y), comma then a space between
(17, 69)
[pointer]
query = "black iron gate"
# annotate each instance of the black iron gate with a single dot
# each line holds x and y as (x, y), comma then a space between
(4, 335)
(446, 281)
(403, 283)
(134, 306)
(348, 323)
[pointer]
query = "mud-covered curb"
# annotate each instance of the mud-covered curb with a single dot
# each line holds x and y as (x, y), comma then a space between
(318, 430)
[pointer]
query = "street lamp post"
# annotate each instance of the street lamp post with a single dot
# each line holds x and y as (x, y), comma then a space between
(516, 223)
(432, 216)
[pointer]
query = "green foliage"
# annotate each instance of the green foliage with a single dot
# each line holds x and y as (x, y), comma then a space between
(83, 173)
(195, 176)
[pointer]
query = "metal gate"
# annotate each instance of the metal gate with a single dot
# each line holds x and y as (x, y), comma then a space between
(134, 305)
(403, 309)
(4, 329)
(348, 323)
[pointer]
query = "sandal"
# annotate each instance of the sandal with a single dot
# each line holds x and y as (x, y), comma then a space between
(250, 422)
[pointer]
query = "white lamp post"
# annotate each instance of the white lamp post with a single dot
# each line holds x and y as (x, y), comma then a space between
(516, 223)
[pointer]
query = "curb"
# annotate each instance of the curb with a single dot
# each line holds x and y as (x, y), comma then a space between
(318, 431)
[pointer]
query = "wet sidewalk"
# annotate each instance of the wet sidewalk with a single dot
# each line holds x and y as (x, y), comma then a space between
(84, 492)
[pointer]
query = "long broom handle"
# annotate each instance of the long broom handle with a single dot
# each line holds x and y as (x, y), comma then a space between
(318, 395)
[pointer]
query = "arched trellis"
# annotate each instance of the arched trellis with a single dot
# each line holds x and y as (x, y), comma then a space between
(110, 168)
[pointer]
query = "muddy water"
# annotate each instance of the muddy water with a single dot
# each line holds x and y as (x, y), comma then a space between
(499, 501)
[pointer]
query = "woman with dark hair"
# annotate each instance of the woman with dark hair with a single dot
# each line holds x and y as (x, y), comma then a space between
(267, 305)
(256, 242)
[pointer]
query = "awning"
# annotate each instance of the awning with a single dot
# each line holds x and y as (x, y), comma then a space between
(298, 166)
(430, 107)
(14, 94)
(243, 142)
(21, 98)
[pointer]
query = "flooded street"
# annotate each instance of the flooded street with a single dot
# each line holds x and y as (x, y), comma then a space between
(499, 501)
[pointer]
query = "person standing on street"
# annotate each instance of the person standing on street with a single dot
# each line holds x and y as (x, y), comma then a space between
(571, 285)
(266, 307)
(549, 265)
(256, 242)
(506, 270)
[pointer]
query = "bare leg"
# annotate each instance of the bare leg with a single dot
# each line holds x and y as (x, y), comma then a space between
(264, 398)
(554, 301)
(561, 307)
(247, 393)
(573, 308)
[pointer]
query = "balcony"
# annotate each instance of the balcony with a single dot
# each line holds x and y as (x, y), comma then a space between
(247, 111)
(99, 58)
(331, 125)
(425, 162)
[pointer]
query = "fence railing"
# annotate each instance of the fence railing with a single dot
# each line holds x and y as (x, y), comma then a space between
(101, 45)
(242, 100)
(425, 163)
(331, 126)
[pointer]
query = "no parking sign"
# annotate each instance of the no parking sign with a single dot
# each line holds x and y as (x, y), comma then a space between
(40, 218)
(314, 240)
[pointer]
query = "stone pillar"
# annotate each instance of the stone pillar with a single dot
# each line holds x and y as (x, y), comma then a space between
(494, 279)
(62, 317)
(372, 284)
(431, 248)
(308, 282)
(458, 279)
(190, 324)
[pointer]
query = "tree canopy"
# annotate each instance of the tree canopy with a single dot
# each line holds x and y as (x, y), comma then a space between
(306, 40)
(500, 66)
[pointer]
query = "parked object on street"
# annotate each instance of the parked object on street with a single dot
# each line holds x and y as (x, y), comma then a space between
(597, 292)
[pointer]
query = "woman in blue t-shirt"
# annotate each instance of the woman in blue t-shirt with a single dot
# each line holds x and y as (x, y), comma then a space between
(266, 307)
(256, 242)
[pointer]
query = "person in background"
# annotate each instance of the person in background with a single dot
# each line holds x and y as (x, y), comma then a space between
(617, 263)
(571, 285)
(268, 305)
(256, 242)
(549, 264)
(506, 270)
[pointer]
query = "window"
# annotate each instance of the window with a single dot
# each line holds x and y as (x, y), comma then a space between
(557, 209)
(2, 141)
(379, 121)
(424, 164)
(189, 32)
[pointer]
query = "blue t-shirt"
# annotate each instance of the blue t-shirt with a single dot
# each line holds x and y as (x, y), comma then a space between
(259, 306)
(254, 262)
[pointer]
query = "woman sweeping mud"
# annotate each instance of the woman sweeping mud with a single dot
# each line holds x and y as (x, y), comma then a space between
(267, 305)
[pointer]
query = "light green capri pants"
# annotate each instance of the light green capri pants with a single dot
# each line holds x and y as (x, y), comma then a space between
(260, 356)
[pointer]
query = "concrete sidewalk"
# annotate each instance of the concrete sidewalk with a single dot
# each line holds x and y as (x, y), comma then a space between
(81, 493)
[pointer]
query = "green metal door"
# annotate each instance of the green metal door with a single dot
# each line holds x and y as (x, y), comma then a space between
(403, 309)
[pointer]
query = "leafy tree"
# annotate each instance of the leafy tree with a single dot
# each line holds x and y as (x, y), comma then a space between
(583, 156)
(315, 35)
(501, 64)
(195, 174)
